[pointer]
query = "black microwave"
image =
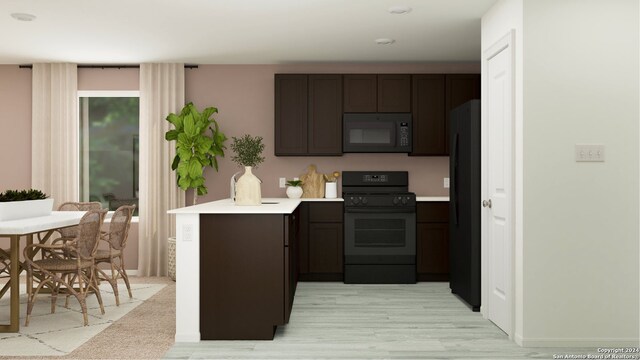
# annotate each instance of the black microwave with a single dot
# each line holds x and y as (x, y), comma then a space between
(376, 133)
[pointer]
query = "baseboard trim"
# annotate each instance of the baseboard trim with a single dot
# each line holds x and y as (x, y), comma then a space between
(518, 339)
(575, 342)
(188, 337)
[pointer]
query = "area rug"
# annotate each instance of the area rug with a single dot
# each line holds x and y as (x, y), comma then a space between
(60, 333)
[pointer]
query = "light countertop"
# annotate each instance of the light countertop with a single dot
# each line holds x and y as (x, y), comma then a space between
(269, 206)
(227, 206)
(431, 198)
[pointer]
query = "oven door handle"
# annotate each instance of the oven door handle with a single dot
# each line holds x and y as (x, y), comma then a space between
(379, 210)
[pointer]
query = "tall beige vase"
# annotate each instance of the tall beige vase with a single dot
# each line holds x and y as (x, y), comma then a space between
(248, 189)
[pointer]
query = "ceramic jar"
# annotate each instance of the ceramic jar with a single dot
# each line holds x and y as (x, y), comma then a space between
(248, 189)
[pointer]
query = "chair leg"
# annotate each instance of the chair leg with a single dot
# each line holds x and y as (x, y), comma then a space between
(94, 284)
(54, 297)
(30, 297)
(124, 275)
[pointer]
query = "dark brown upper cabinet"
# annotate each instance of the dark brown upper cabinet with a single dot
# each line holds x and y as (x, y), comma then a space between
(325, 115)
(291, 114)
(460, 89)
(308, 114)
(428, 114)
(360, 93)
(394, 93)
(377, 93)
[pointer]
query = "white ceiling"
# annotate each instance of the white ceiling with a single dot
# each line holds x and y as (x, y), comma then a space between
(239, 31)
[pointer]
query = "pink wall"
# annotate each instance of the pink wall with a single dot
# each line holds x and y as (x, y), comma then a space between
(15, 127)
(244, 96)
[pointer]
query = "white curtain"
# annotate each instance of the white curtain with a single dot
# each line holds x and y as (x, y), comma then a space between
(161, 93)
(54, 134)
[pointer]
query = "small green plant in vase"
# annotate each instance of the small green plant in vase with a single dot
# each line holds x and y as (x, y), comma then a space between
(294, 189)
(21, 204)
(248, 154)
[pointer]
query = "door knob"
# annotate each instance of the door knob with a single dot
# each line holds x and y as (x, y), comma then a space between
(486, 203)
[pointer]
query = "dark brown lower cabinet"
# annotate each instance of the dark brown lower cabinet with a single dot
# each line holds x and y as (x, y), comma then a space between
(248, 274)
(325, 248)
(321, 241)
(433, 241)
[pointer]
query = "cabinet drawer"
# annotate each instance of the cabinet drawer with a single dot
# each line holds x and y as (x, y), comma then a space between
(433, 212)
(325, 212)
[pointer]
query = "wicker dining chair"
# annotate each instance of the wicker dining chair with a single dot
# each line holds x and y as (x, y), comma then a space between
(69, 233)
(116, 237)
(5, 270)
(62, 274)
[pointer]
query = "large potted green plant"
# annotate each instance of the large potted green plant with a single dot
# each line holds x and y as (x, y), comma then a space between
(21, 204)
(248, 151)
(199, 142)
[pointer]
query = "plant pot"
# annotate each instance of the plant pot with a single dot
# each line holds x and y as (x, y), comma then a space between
(248, 189)
(171, 255)
(14, 210)
(294, 192)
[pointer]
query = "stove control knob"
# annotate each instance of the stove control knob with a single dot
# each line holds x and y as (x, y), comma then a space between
(356, 200)
(404, 201)
(364, 201)
(396, 201)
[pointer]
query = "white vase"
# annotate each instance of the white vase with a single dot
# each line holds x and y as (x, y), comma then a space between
(14, 210)
(294, 192)
(248, 189)
(331, 190)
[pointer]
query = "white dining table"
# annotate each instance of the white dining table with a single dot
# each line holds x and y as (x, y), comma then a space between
(26, 228)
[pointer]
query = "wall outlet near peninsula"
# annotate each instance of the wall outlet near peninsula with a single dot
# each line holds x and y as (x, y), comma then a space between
(446, 183)
(283, 183)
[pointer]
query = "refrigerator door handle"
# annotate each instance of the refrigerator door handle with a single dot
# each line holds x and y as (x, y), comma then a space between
(454, 175)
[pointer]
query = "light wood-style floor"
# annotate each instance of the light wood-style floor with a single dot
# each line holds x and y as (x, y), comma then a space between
(338, 321)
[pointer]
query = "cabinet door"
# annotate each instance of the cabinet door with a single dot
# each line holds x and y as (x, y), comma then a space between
(290, 114)
(303, 240)
(429, 135)
(433, 251)
(325, 248)
(325, 115)
(394, 93)
(460, 89)
(360, 93)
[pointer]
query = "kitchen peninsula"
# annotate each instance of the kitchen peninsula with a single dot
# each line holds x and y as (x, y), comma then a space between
(235, 268)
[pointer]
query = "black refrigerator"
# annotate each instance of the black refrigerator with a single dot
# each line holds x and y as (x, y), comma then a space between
(464, 203)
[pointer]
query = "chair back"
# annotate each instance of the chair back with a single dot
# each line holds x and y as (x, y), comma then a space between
(119, 226)
(86, 242)
(71, 232)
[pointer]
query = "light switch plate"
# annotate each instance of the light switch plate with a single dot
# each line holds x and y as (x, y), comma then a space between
(446, 183)
(283, 183)
(589, 152)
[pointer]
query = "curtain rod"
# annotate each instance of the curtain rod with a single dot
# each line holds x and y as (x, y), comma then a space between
(186, 66)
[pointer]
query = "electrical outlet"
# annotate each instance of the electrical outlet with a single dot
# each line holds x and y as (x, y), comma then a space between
(589, 152)
(283, 183)
(187, 232)
(446, 183)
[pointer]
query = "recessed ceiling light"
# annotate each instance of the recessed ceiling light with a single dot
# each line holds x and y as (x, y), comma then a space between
(398, 10)
(384, 41)
(23, 16)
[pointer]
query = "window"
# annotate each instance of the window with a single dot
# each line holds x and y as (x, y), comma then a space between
(109, 135)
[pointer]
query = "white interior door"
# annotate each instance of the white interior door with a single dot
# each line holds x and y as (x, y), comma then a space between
(497, 189)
